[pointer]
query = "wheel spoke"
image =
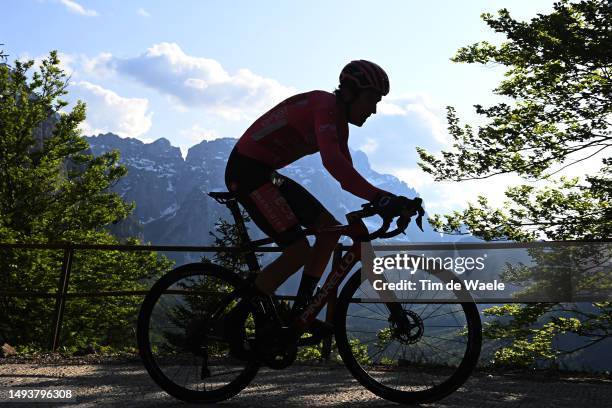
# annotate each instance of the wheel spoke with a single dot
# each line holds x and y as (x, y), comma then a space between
(442, 338)
(417, 360)
(365, 317)
(445, 314)
(178, 310)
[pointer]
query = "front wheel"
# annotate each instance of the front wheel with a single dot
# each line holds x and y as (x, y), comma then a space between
(177, 337)
(409, 353)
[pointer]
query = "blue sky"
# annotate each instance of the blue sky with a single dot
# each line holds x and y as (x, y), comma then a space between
(194, 70)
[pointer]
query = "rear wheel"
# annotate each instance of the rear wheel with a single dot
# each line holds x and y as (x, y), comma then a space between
(178, 334)
(408, 353)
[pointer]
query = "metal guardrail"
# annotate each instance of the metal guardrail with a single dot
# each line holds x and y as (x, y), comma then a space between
(62, 294)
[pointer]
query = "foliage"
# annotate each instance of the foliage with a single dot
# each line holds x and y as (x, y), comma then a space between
(564, 210)
(312, 353)
(558, 74)
(195, 308)
(384, 337)
(533, 342)
(53, 190)
(360, 352)
(228, 235)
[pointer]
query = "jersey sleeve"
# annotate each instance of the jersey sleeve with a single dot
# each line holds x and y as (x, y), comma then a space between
(345, 151)
(335, 156)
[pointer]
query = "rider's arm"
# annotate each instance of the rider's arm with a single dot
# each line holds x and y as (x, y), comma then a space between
(345, 151)
(335, 161)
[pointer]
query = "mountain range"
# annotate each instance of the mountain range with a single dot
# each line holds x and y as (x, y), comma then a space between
(170, 192)
(172, 206)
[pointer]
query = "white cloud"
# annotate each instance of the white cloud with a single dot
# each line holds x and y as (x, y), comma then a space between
(75, 7)
(421, 107)
(443, 197)
(447, 196)
(581, 169)
(109, 112)
(390, 138)
(369, 146)
(67, 61)
(196, 133)
(143, 13)
(414, 177)
(100, 66)
(197, 82)
(186, 138)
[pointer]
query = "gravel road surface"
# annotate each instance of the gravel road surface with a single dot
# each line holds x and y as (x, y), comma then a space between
(126, 384)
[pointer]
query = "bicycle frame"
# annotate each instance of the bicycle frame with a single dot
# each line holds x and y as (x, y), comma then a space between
(205, 332)
(337, 275)
(353, 230)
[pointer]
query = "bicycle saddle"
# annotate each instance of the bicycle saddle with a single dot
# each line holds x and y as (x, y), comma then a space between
(221, 195)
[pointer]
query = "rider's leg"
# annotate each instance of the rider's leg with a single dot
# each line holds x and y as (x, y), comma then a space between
(291, 259)
(316, 263)
(323, 247)
(273, 275)
(300, 254)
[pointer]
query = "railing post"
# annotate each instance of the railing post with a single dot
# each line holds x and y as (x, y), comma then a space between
(331, 305)
(60, 301)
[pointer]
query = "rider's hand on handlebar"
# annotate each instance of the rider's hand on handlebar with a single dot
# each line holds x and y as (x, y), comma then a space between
(389, 206)
(385, 205)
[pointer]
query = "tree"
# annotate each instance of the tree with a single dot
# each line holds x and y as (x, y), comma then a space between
(228, 235)
(3, 56)
(558, 74)
(194, 307)
(53, 190)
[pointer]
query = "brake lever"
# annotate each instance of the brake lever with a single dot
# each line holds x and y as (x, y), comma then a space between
(381, 232)
(366, 211)
(402, 223)
(419, 219)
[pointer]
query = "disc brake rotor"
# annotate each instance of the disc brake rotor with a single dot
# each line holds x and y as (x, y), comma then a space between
(409, 329)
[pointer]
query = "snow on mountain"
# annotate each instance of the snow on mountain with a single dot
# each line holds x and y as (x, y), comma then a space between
(170, 192)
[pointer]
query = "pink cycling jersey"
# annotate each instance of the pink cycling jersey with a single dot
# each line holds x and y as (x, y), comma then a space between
(301, 125)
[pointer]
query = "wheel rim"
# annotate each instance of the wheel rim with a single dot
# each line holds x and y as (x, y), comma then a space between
(421, 361)
(181, 336)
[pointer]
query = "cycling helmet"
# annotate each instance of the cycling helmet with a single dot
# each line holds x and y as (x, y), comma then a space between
(366, 74)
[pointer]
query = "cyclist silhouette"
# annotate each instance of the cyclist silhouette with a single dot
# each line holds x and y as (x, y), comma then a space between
(304, 124)
(193, 324)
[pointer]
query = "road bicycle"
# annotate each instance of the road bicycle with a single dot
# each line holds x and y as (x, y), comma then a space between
(408, 351)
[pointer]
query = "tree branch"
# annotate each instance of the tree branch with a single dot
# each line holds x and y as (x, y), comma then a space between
(565, 352)
(577, 161)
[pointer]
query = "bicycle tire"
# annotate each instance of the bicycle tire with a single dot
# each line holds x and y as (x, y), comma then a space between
(150, 354)
(353, 352)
